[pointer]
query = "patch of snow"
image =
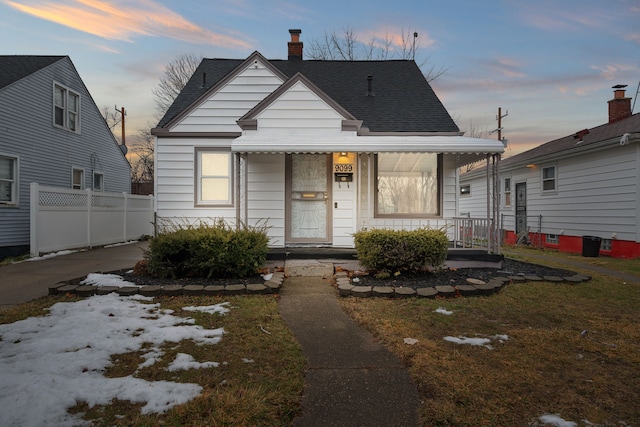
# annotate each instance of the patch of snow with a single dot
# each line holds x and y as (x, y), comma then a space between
(470, 341)
(410, 341)
(129, 242)
(556, 421)
(185, 361)
(444, 311)
(59, 359)
(267, 276)
(98, 279)
(211, 309)
(245, 360)
(51, 255)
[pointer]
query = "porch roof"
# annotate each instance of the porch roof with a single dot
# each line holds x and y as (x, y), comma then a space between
(468, 149)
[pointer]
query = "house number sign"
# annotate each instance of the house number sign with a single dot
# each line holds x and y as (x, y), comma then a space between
(343, 167)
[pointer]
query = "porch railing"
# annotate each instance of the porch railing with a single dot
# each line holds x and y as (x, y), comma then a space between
(475, 233)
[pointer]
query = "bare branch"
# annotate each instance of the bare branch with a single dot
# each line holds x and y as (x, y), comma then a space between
(175, 76)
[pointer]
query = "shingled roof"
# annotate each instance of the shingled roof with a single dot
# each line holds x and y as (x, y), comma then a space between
(402, 101)
(17, 67)
(576, 142)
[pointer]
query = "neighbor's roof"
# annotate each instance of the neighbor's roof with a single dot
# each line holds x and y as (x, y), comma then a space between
(17, 67)
(403, 100)
(577, 141)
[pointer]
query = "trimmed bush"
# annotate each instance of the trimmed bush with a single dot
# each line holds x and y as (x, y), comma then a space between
(207, 251)
(389, 251)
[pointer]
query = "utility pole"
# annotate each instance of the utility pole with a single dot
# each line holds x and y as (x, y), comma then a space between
(123, 113)
(499, 117)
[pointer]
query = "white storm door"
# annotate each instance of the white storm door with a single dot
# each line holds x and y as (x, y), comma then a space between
(308, 187)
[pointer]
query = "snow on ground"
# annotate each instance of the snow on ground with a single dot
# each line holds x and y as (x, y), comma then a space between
(485, 342)
(50, 363)
(99, 279)
(556, 421)
(444, 311)
(51, 255)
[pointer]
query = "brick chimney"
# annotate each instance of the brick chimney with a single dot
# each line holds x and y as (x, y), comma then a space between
(295, 46)
(619, 106)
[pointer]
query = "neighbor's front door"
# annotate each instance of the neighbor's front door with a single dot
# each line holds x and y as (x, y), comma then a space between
(521, 207)
(308, 199)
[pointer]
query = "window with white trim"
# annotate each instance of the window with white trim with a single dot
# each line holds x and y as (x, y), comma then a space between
(98, 181)
(507, 192)
(66, 108)
(553, 239)
(214, 177)
(549, 178)
(407, 185)
(77, 179)
(8, 180)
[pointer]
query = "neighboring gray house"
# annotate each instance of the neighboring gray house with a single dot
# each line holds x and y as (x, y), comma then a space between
(563, 193)
(52, 133)
(317, 149)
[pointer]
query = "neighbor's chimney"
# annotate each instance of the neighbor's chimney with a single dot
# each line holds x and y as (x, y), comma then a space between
(295, 46)
(619, 106)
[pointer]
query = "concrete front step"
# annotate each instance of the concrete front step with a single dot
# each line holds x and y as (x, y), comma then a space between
(308, 268)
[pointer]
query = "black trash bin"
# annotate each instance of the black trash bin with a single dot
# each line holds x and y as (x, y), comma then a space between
(591, 246)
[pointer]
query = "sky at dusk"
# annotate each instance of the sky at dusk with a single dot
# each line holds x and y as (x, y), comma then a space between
(549, 63)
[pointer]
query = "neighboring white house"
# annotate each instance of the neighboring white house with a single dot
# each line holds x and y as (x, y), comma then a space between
(317, 149)
(51, 133)
(569, 190)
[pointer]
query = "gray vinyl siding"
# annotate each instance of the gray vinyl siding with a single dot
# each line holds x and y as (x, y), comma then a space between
(48, 153)
(596, 194)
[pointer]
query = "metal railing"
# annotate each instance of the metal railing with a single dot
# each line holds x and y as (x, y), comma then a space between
(475, 233)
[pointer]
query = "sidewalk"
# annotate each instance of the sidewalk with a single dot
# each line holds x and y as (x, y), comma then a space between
(28, 280)
(351, 379)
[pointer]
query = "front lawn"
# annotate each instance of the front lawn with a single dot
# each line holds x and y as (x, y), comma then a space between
(534, 352)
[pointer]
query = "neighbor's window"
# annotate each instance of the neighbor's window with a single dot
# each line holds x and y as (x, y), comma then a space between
(213, 177)
(549, 178)
(465, 190)
(66, 108)
(98, 181)
(8, 178)
(77, 179)
(605, 245)
(507, 192)
(553, 239)
(407, 184)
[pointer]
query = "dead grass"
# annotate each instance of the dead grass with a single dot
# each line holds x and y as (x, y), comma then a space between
(264, 392)
(546, 366)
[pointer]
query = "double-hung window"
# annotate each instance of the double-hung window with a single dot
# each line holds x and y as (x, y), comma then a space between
(214, 177)
(98, 181)
(507, 192)
(77, 179)
(66, 108)
(8, 180)
(549, 178)
(407, 185)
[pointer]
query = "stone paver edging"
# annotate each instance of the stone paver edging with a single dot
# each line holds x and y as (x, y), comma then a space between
(345, 287)
(472, 287)
(75, 287)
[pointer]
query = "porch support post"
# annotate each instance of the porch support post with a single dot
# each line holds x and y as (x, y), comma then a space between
(496, 203)
(237, 187)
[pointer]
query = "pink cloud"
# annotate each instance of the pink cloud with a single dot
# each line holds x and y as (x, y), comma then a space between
(123, 20)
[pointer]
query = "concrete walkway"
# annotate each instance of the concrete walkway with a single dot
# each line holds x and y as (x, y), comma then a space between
(24, 281)
(351, 379)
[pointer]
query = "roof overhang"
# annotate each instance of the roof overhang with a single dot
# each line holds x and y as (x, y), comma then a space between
(468, 149)
(365, 144)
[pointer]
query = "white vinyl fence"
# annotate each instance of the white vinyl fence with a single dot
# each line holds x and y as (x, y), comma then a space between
(62, 218)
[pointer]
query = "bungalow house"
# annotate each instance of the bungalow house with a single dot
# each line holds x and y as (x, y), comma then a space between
(51, 133)
(580, 189)
(317, 149)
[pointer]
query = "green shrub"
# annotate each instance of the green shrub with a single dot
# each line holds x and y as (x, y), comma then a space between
(207, 250)
(389, 251)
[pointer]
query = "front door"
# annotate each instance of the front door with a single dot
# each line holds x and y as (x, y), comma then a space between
(521, 207)
(308, 199)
